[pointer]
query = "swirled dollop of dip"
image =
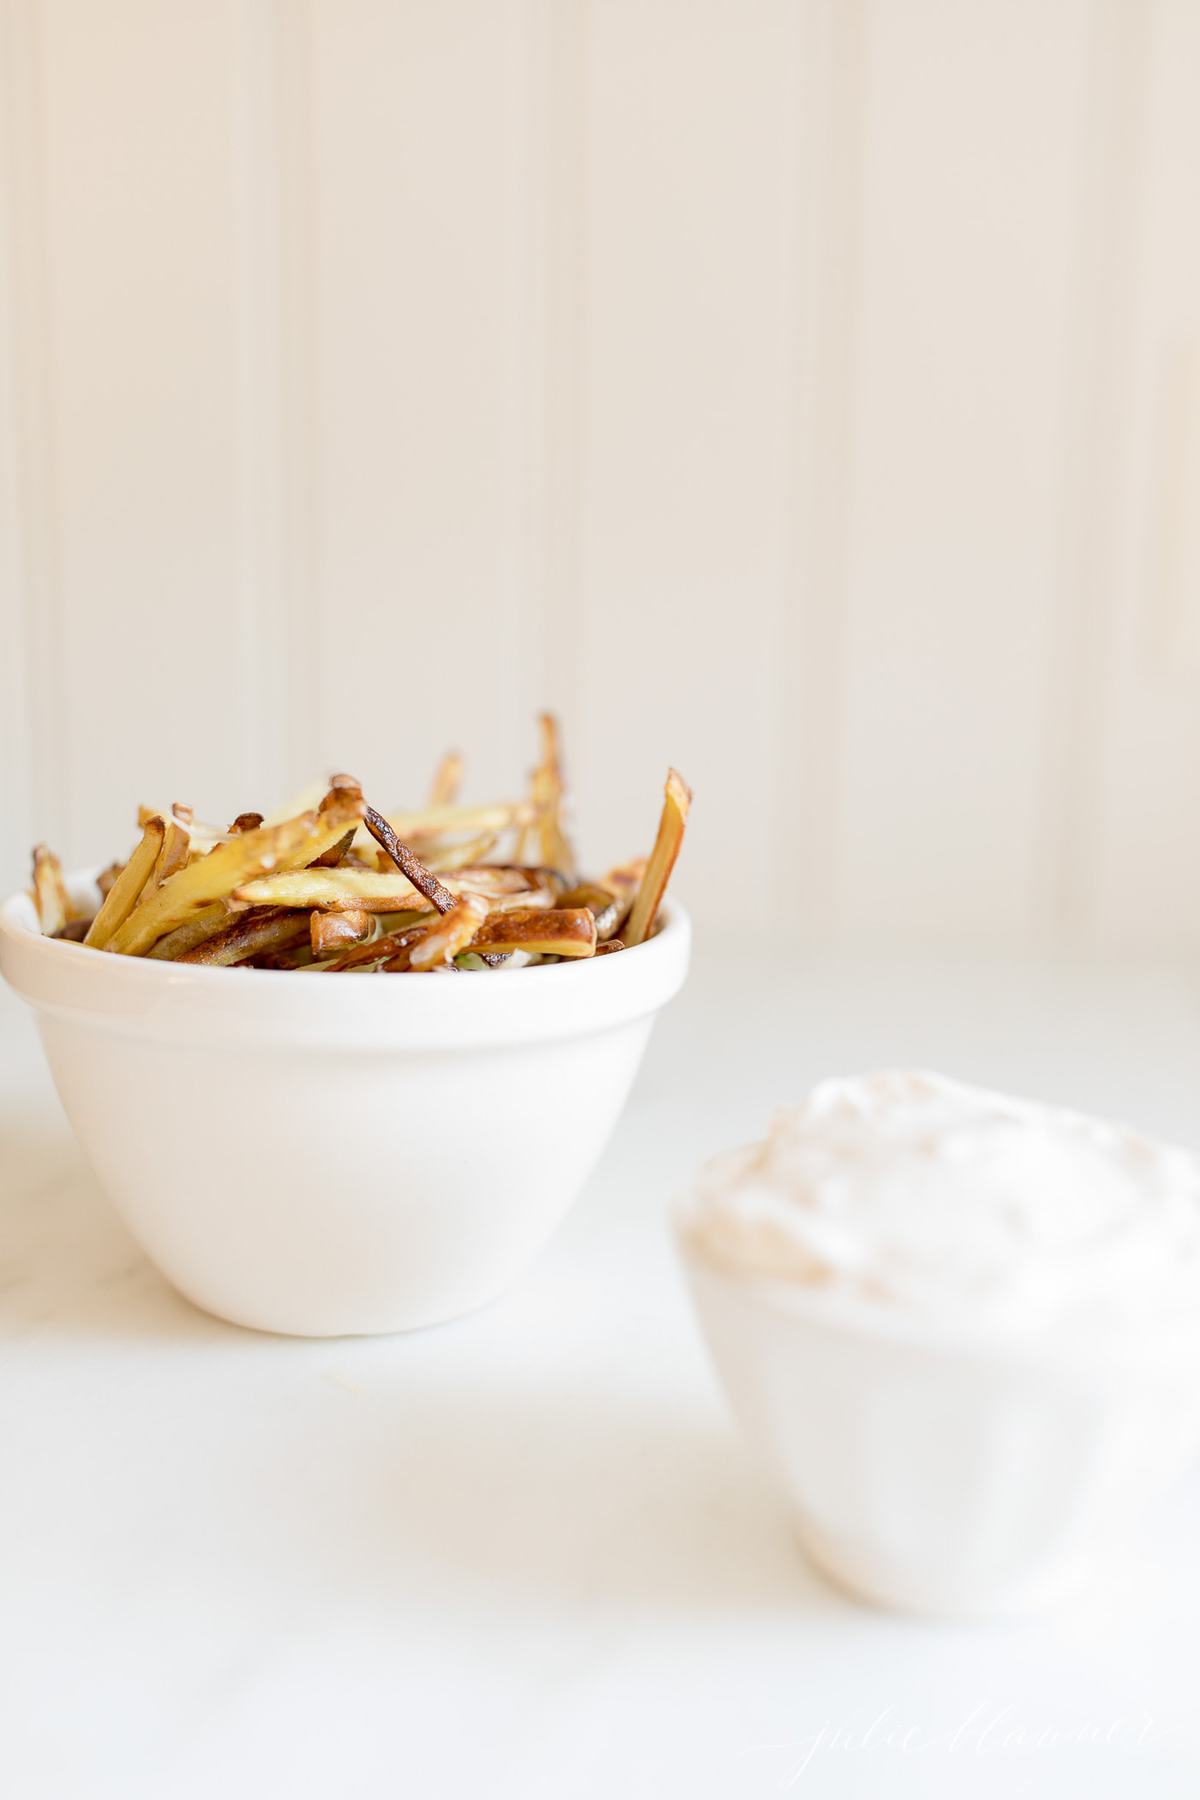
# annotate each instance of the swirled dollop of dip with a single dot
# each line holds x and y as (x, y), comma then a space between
(914, 1191)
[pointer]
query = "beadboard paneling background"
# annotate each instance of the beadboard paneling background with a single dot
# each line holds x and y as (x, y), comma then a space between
(804, 391)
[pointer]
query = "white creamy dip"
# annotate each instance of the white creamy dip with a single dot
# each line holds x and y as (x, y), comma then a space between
(918, 1192)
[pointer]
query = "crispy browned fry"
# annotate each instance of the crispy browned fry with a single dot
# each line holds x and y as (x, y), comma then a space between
(74, 931)
(548, 790)
(191, 889)
(335, 930)
(569, 931)
(508, 885)
(49, 891)
(125, 892)
(395, 944)
(175, 844)
(299, 956)
(608, 949)
(249, 935)
(202, 925)
(341, 787)
(106, 877)
(603, 905)
(247, 821)
(671, 826)
(453, 932)
(447, 780)
(626, 877)
(408, 862)
(330, 858)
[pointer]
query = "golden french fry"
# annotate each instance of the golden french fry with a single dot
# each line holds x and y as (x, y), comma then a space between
(248, 935)
(176, 843)
(106, 877)
(329, 890)
(49, 891)
(671, 826)
(247, 821)
(453, 932)
(442, 857)
(127, 889)
(603, 905)
(558, 932)
(210, 878)
(436, 821)
(609, 949)
(548, 791)
(447, 780)
(335, 930)
(196, 930)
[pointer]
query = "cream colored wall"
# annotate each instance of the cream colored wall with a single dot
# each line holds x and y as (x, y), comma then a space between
(805, 391)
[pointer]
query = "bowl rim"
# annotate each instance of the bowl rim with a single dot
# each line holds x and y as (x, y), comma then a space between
(141, 996)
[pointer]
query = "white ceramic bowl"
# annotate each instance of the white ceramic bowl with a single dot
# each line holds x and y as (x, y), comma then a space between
(943, 1472)
(330, 1154)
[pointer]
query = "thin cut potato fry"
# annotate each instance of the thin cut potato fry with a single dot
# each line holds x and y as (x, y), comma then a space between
(127, 889)
(433, 820)
(569, 931)
(677, 799)
(454, 931)
(202, 925)
(625, 879)
(408, 862)
(335, 930)
(447, 780)
(441, 857)
(49, 891)
(329, 859)
(603, 905)
(330, 890)
(548, 790)
(248, 935)
(175, 845)
(388, 948)
(613, 945)
(243, 857)
(106, 877)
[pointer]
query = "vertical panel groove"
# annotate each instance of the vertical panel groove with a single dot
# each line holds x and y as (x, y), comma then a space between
(298, 199)
(560, 49)
(1097, 402)
(823, 288)
(30, 529)
(261, 608)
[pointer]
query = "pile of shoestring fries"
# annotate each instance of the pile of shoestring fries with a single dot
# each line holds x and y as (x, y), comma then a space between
(341, 887)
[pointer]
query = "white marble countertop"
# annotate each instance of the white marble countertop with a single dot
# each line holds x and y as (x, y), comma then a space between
(524, 1556)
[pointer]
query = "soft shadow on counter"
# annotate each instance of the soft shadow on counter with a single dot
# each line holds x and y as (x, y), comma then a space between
(67, 1264)
(597, 1502)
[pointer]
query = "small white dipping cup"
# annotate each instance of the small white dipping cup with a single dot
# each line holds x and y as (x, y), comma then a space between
(956, 1472)
(328, 1154)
